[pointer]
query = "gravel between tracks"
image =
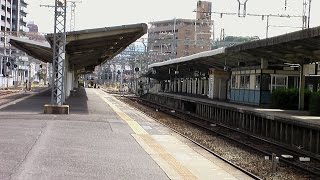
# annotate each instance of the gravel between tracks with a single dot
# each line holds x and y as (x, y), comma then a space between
(244, 157)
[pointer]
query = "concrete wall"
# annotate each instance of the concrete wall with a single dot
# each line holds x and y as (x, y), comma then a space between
(69, 84)
(218, 84)
(6, 82)
(155, 88)
(69, 80)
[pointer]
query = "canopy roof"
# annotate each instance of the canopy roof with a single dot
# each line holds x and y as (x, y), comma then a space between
(297, 47)
(41, 51)
(87, 48)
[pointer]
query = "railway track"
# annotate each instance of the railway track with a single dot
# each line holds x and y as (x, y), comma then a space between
(208, 150)
(286, 155)
(4, 93)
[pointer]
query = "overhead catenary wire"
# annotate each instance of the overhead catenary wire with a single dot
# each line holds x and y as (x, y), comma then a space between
(73, 5)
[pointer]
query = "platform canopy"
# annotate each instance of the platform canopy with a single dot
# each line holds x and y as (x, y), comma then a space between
(86, 48)
(300, 47)
(38, 50)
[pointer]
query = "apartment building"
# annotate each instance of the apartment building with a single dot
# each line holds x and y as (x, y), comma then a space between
(33, 28)
(182, 37)
(13, 16)
(13, 22)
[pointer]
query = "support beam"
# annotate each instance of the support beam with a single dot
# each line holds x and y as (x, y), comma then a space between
(59, 55)
(301, 88)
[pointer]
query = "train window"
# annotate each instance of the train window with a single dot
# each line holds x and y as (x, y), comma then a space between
(265, 82)
(278, 81)
(233, 81)
(257, 82)
(245, 81)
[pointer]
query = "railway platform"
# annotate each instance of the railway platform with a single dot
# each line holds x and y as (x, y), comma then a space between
(300, 117)
(101, 138)
(294, 129)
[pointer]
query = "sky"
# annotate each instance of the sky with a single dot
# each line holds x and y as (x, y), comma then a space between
(103, 13)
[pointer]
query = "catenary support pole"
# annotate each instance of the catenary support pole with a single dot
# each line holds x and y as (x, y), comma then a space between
(59, 43)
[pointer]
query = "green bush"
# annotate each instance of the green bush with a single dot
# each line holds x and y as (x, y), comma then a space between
(289, 98)
(307, 97)
(314, 106)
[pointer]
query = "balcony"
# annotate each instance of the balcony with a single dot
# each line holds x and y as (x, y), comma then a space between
(23, 22)
(23, 9)
(23, 12)
(24, 3)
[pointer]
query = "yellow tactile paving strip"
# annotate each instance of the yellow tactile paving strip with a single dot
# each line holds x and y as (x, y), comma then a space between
(176, 165)
(183, 172)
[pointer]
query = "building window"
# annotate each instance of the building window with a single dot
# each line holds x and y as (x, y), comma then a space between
(279, 82)
(293, 81)
(245, 81)
(233, 82)
(257, 82)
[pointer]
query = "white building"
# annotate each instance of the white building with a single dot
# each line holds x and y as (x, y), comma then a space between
(13, 22)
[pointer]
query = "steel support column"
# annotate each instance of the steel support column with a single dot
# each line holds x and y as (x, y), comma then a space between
(59, 44)
(73, 16)
(301, 88)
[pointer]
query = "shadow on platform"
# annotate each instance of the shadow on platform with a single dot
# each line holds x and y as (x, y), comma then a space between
(34, 104)
(79, 102)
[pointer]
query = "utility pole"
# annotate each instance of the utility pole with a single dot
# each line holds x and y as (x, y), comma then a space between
(242, 3)
(222, 34)
(267, 31)
(59, 44)
(309, 14)
(145, 57)
(174, 44)
(73, 14)
(304, 14)
(273, 15)
(5, 48)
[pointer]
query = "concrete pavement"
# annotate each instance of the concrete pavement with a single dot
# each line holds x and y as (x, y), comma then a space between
(91, 143)
(102, 138)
